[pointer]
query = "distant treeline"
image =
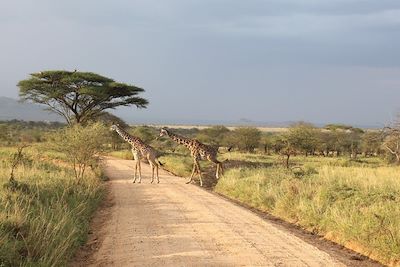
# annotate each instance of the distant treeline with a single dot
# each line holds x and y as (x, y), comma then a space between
(15, 131)
(301, 138)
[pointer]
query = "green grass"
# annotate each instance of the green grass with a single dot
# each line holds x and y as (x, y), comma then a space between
(301, 160)
(354, 206)
(180, 165)
(45, 216)
(249, 157)
(122, 154)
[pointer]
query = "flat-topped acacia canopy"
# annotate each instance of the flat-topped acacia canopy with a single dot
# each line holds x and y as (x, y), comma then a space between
(78, 96)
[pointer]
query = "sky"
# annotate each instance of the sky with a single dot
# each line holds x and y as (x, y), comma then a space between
(321, 61)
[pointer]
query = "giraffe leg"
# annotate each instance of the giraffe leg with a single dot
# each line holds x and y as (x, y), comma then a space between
(136, 167)
(220, 170)
(152, 172)
(193, 171)
(158, 178)
(199, 172)
(140, 172)
(221, 167)
(137, 161)
(154, 166)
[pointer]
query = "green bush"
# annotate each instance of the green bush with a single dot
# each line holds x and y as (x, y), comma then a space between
(81, 144)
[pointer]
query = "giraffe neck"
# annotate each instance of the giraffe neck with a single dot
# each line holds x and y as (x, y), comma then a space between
(133, 141)
(181, 140)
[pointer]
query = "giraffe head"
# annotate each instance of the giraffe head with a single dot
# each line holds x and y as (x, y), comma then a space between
(163, 132)
(114, 127)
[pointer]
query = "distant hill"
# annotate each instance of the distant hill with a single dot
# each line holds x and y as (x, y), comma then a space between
(12, 109)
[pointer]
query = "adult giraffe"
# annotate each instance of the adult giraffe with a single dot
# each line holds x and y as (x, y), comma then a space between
(198, 151)
(139, 150)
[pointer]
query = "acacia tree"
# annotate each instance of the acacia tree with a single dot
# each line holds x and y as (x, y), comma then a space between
(301, 137)
(354, 141)
(304, 137)
(285, 146)
(78, 96)
(391, 139)
(267, 142)
(246, 138)
(371, 143)
(214, 135)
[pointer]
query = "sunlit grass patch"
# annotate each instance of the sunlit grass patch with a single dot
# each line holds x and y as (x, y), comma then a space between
(351, 205)
(45, 222)
(122, 154)
(180, 165)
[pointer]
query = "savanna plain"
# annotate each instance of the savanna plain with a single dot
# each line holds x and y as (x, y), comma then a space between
(338, 182)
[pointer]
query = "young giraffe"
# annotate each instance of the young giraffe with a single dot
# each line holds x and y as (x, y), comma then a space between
(139, 150)
(198, 151)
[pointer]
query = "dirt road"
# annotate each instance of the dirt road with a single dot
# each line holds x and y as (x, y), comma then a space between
(174, 224)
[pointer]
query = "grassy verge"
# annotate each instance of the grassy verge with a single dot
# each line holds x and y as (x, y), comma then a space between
(122, 154)
(358, 207)
(44, 217)
(179, 165)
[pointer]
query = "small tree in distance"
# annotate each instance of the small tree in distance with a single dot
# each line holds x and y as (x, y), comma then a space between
(391, 139)
(214, 135)
(288, 147)
(303, 137)
(79, 97)
(246, 138)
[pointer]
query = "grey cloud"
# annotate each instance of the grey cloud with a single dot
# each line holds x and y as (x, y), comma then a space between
(285, 58)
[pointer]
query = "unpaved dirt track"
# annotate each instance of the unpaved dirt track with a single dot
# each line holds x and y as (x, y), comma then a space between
(174, 224)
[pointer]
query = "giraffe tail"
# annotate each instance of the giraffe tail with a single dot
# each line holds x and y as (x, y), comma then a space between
(159, 162)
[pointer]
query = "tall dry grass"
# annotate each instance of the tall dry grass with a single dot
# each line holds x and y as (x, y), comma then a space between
(355, 206)
(45, 216)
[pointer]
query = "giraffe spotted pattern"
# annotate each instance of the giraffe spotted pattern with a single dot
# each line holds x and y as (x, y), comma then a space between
(140, 150)
(198, 151)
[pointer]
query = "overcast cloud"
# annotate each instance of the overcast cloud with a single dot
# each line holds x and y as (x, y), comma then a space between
(272, 60)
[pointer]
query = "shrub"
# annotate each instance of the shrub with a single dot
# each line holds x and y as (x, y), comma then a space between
(81, 144)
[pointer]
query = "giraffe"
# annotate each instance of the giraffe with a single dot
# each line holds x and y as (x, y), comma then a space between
(198, 151)
(139, 150)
